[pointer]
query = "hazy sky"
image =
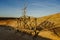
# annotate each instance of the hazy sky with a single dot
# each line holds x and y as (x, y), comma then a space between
(36, 8)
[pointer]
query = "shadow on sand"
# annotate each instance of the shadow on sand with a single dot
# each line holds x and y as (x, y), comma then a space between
(8, 33)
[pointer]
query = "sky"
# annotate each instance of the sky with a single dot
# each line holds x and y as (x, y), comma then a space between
(36, 8)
